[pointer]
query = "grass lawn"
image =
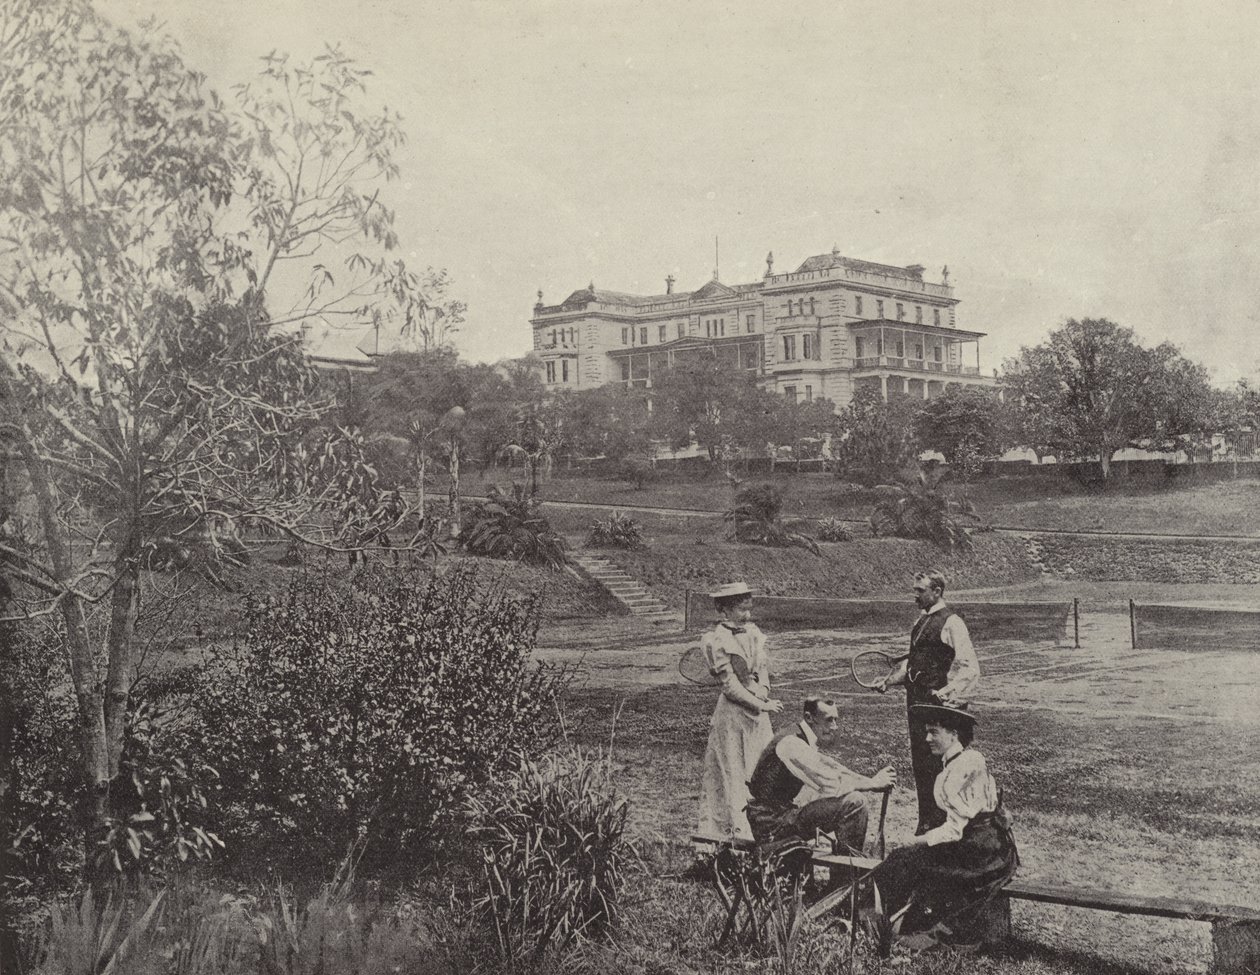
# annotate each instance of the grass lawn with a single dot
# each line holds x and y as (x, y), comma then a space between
(1140, 780)
(701, 560)
(1226, 508)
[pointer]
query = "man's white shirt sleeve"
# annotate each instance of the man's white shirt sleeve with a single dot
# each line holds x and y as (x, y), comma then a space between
(809, 766)
(965, 670)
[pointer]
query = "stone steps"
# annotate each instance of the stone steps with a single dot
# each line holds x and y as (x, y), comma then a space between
(631, 594)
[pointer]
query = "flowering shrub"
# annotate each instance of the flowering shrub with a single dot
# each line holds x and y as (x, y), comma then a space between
(369, 708)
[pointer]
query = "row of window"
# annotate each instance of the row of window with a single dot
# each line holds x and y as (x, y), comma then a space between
(564, 370)
(715, 328)
(900, 346)
(629, 334)
(807, 347)
(568, 336)
(901, 311)
(789, 393)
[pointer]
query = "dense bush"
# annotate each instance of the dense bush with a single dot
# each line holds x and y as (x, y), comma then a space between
(369, 707)
(757, 518)
(616, 531)
(41, 842)
(834, 530)
(157, 800)
(635, 472)
(513, 527)
(552, 836)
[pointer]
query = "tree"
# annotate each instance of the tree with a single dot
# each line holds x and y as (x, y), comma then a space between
(151, 390)
(875, 438)
(807, 426)
(705, 400)
(1091, 389)
(408, 396)
(965, 424)
(611, 421)
(540, 424)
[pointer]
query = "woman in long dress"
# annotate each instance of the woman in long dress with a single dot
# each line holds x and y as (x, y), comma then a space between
(934, 888)
(735, 651)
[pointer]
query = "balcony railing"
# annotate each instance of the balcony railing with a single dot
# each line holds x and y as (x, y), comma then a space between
(913, 365)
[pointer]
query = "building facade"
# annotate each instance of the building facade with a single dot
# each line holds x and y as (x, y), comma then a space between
(821, 331)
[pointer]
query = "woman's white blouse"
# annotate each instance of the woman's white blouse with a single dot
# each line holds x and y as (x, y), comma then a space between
(964, 789)
(720, 644)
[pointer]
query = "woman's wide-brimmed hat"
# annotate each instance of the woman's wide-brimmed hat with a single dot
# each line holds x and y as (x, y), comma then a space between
(731, 589)
(943, 712)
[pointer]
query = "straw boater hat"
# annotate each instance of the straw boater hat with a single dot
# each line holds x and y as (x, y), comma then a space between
(927, 712)
(731, 589)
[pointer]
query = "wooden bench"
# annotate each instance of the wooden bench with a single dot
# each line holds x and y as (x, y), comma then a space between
(1235, 929)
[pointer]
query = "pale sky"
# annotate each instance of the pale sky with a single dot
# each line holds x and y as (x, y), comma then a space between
(1078, 158)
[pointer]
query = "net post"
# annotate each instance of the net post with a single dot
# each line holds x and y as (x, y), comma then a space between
(686, 610)
(1076, 622)
(1133, 623)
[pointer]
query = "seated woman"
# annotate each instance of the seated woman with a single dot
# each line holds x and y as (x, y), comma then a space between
(735, 651)
(934, 888)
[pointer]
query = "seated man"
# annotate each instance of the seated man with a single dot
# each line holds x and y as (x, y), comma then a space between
(791, 762)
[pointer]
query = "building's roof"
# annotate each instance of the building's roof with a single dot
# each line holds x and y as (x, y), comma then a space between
(712, 289)
(820, 262)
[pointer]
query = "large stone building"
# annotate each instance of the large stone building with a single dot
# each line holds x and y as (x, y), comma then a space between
(823, 330)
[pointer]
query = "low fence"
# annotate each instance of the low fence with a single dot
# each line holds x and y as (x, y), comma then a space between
(1171, 627)
(1040, 621)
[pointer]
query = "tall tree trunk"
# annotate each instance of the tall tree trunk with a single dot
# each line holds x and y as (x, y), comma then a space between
(93, 743)
(454, 495)
(125, 603)
(422, 464)
(1104, 458)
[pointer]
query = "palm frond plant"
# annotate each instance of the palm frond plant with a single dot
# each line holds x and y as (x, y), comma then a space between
(834, 530)
(757, 519)
(917, 507)
(513, 527)
(617, 531)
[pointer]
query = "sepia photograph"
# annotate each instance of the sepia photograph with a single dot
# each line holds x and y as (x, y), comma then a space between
(564, 487)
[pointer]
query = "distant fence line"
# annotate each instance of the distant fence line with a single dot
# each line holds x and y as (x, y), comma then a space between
(1141, 470)
(1043, 621)
(1152, 626)
(1171, 627)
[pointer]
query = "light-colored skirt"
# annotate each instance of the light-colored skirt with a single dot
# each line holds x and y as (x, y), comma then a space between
(736, 740)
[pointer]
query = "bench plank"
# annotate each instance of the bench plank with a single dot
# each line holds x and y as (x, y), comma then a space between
(1181, 908)
(1125, 903)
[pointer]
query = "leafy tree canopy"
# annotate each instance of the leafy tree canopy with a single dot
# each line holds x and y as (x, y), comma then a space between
(1092, 389)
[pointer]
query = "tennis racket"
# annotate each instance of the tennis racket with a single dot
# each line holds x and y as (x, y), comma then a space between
(694, 668)
(871, 666)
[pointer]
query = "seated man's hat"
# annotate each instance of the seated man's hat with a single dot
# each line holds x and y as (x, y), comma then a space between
(731, 589)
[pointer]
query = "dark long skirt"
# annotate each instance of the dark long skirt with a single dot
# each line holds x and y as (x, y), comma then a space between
(947, 885)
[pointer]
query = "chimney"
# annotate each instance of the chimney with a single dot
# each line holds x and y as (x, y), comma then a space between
(669, 284)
